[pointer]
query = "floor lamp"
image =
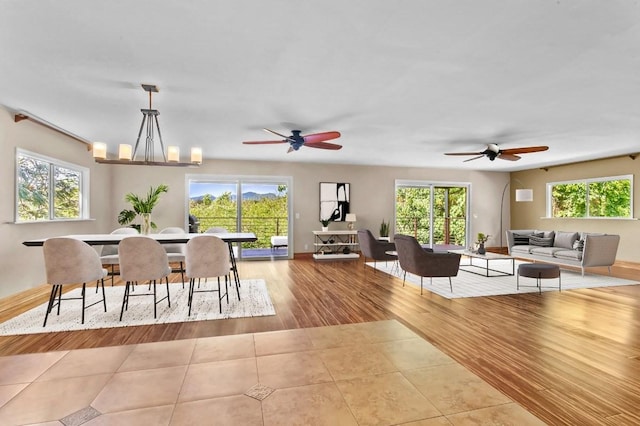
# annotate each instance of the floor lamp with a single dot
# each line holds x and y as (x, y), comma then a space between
(522, 195)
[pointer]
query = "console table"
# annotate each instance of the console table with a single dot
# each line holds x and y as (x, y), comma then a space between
(333, 244)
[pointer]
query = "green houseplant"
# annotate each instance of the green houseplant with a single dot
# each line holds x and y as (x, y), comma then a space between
(142, 207)
(384, 229)
(325, 224)
(482, 238)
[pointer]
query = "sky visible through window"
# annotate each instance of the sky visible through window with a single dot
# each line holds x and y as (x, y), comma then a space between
(197, 189)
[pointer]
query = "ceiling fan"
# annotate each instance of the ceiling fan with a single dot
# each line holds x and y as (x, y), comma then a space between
(296, 140)
(493, 151)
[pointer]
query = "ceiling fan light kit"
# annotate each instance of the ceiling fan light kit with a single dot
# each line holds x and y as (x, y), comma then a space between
(127, 154)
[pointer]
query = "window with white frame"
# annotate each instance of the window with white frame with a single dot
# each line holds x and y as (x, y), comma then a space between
(50, 190)
(605, 197)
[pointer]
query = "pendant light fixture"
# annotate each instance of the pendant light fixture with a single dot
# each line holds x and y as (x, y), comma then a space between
(127, 155)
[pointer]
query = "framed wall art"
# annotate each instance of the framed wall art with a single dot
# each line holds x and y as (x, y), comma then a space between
(334, 201)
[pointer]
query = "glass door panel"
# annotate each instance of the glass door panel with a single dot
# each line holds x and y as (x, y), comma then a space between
(433, 214)
(264, 210)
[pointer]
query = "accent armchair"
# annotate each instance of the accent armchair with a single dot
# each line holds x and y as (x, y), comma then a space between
(373, 248)
(424, 262)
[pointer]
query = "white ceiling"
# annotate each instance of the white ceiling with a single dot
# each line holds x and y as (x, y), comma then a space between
(403, 81)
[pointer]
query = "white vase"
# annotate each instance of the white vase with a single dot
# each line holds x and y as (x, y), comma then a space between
(325, 228)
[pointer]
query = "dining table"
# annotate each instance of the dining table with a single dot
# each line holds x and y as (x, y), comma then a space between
(114, 239)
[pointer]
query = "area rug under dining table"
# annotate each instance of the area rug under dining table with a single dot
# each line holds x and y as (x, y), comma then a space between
(467, 284)
(254, 302)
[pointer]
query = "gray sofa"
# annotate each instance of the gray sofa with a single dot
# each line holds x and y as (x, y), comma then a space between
(582, 250)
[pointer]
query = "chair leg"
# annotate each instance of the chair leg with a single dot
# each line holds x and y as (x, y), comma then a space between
(219, 296)
(192, 283)
(155, 306)
(168, 299)
(420, 285)
(226, 288)
(84, 288)
(125, 299)
(52, 298)
(450, 285)
(104, 298)
(182, 273)
(59, 297)
(404, 277)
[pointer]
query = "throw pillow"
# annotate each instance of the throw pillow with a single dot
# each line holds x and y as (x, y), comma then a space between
(578, 245)
(523, 239)
(541, 241)
(565, 239)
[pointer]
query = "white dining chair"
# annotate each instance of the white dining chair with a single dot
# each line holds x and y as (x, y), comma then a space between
(175, 252)
(71, 261)
(109, 253)
(207, 257)
(143, 259)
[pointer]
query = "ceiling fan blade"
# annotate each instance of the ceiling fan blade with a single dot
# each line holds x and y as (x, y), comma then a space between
(524, 150)
(474, 158)
(263, 142)
(320, 137)
(278, 134)
(464, 153)
(323, 145)
(510, 157)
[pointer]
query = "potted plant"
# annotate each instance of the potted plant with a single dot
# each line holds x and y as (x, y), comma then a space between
(482, 238)
(142, 207)
(384, 230)
(325, 224)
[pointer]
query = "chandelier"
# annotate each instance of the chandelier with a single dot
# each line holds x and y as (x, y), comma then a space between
(149, 123)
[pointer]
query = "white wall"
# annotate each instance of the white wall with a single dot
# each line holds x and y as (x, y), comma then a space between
(23, 267)
(372, 195)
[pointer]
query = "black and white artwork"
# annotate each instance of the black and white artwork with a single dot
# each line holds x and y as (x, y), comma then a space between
(334, 201)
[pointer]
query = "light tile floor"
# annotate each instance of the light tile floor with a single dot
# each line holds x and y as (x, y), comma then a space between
(378, 373)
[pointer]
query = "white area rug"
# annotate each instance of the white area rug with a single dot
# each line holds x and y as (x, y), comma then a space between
(254, 302)
(467, 284)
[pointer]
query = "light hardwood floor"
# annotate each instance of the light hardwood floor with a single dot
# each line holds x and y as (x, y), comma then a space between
(570, 357)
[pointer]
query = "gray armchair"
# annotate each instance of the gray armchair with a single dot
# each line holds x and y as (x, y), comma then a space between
(374, 249)
(425, 262)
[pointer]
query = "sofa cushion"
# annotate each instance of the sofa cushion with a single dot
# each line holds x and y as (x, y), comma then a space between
(544, 251)
(546, 234)
(521, 249)
(540, 241)
(565, 239)
(521, 239)
(568, 254)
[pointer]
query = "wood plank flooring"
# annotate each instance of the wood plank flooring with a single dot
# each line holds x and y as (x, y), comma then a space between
(570, 358)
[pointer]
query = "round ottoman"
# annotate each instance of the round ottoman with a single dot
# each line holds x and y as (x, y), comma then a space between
(539, 271)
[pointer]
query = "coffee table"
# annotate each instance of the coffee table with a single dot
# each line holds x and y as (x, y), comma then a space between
(485, 269)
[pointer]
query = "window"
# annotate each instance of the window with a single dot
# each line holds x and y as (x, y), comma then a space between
(48, 189)
(607, 197)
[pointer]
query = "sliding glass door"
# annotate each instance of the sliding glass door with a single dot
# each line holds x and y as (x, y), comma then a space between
(260, 205)
(434, 213)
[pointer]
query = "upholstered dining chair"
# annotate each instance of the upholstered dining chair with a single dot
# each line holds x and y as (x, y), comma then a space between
(143, 259)
(375, 249)
(207, 257)
(424, 262)
(109, 254)
(71, 261)
(175, 252)
(234, 249)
